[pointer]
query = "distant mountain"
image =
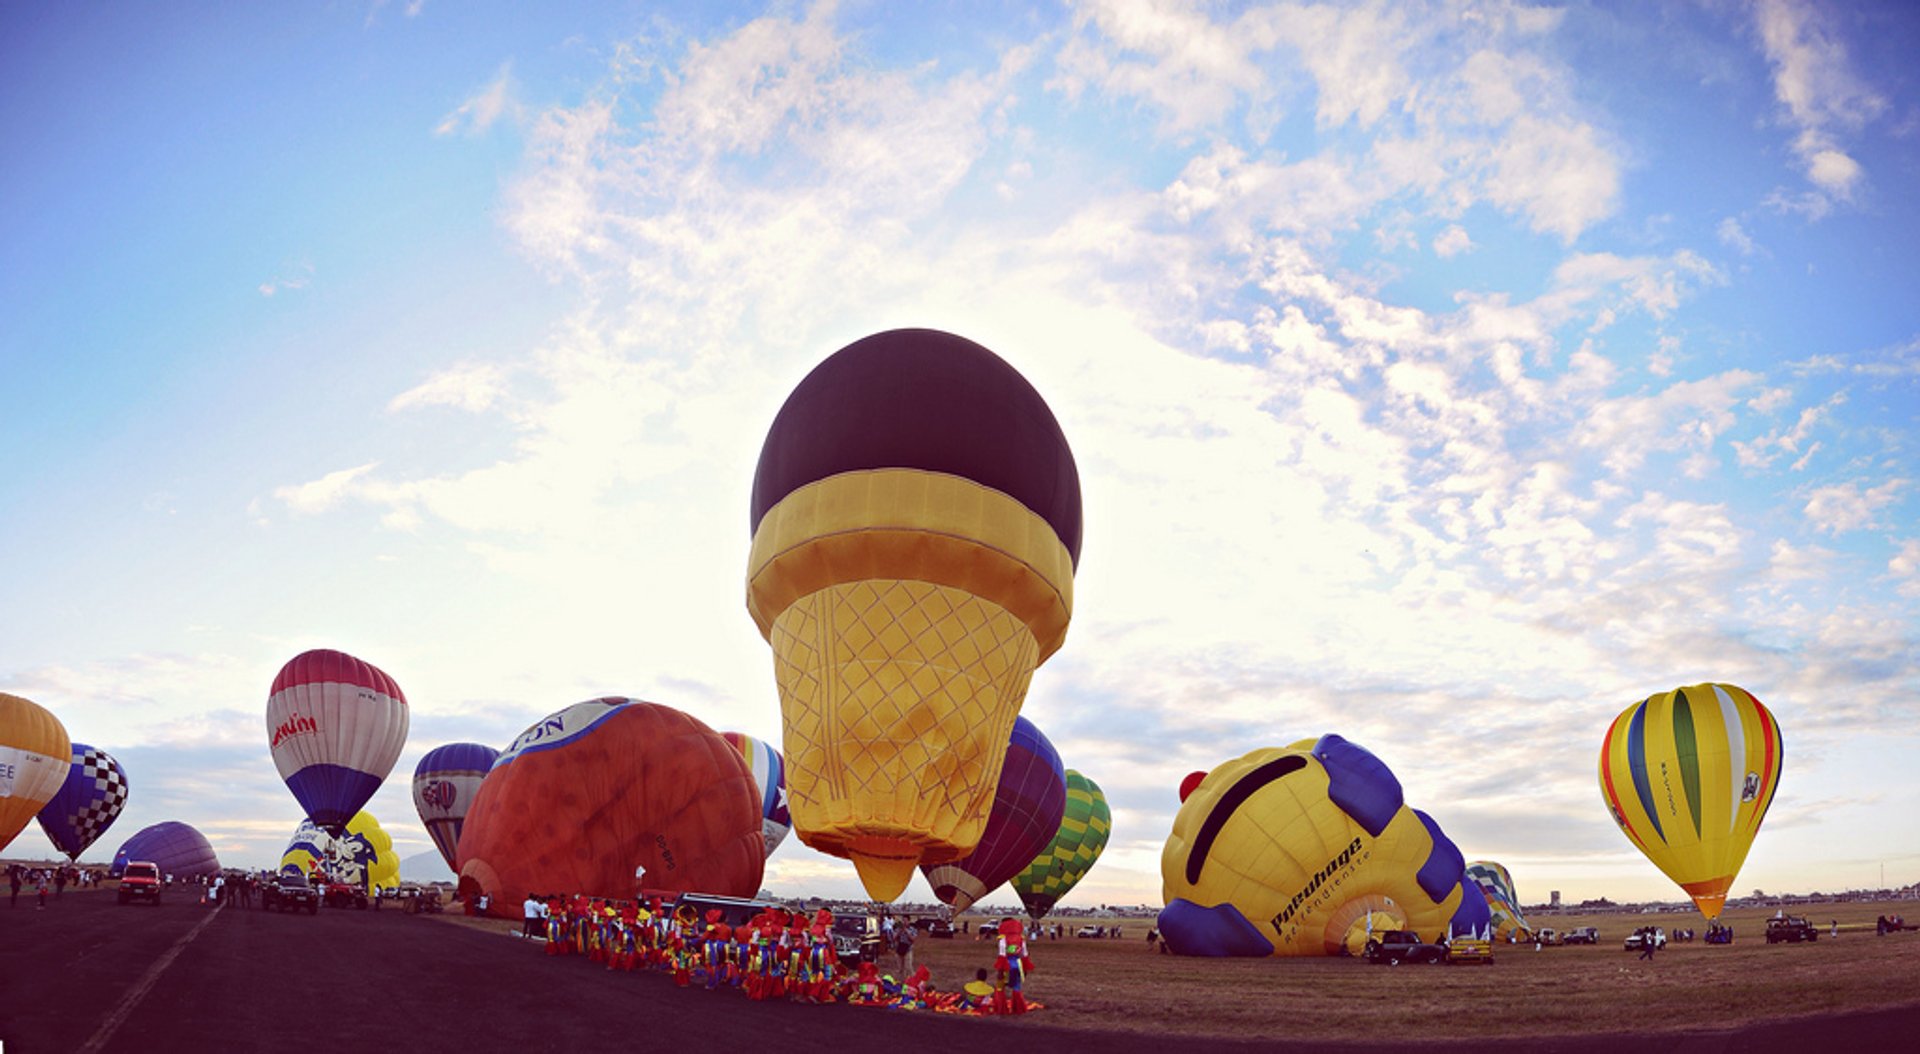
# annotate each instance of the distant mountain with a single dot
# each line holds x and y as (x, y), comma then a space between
(424, 867)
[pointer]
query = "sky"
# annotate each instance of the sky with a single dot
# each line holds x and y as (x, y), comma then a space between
(1449, 376)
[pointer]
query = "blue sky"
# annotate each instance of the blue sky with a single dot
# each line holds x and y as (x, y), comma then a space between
(1446, 376)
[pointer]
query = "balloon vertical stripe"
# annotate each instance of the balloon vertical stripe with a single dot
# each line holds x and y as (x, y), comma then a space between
(1613, 793)
(1736, 754)
(1687, 749)
(1637, 760)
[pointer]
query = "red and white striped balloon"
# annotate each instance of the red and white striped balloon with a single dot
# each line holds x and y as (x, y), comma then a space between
(336, 725)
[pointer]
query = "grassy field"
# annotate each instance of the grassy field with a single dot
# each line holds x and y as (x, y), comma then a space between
(1119, 985)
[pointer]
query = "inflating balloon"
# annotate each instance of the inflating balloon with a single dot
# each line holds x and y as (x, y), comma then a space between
(609, 796)
(1305, 850)
(916, 522)
(770, 777)
(336, 726)
(362, 856)
(1503, 901)
(1028, 805)
(88, 802)
(1084, 826)
(34, 758)
(180, 851)
(444, 784)
(1688, 775)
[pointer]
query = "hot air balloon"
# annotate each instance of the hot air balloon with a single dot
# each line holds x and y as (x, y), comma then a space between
(1084, 826)
(1028, 806)
(88, 802)
(1304, 850)
(34, 753)
(180, 850)
(1503, 901)
(444, 784)
(916, 523)
(336, 726)
(612, 795)
(770, 777)
(1688, 775)
(362, 856)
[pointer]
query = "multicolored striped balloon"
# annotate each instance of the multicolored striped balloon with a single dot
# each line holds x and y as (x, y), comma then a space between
(1688, 775)
(444, 784)
(1503, 901)
(770, 778)
(1067, 859)
(1028, 805)
(335, 725)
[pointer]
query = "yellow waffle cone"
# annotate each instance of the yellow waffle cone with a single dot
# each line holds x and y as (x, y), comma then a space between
(898, 698)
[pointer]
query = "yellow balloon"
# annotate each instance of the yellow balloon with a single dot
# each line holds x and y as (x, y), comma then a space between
(1307, 850)
(916, 520)
(1688, 775)
(35, 755)
(363, 856)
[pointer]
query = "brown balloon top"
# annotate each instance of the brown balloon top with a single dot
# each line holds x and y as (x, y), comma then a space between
(921, 398)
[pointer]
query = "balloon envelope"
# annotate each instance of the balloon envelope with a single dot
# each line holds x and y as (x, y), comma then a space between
(444, 784)
(178, 849)
(1307, 850)
(35, 755)
(608, 796)
(1070, 854)
(916, 522)
(1503, 901)
(1028, 805)
(88, 802)
(1689, 775)
(362, 855)
(770, 777)
(336, 725)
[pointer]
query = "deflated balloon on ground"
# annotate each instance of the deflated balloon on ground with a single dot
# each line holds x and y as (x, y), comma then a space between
(1307, 850)
(610, 796)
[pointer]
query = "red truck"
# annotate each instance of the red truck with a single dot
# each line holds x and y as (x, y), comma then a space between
(140, 881)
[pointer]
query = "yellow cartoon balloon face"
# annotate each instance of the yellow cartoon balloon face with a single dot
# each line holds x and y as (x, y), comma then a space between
(1304, 850)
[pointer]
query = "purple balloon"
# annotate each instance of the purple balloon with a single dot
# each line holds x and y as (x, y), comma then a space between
(1028, 805)
(176, 847)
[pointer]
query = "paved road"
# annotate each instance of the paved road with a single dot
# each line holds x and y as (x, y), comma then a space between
(90, 975)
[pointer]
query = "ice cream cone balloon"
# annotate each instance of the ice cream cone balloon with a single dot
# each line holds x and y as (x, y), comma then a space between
(916, 523)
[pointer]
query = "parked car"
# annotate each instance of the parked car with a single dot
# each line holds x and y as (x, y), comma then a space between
(1546, 935)
(343, 895)
(940, 928)
(1638, 938)
(1090, 931)
(1394, 947)
(734, 911)
(290, 892)
(1470, 950)
(1792, 929)
(1582, 935)
(140, 881)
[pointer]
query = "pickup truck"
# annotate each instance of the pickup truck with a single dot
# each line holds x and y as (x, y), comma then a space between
(1394, 947)
(1582, 935)
(345, 895)
(140, 881)
(290, 892)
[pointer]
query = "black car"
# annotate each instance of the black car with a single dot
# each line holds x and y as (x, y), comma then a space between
(1394, 947)
(1791, 929)
(856, 939)
(290, 892)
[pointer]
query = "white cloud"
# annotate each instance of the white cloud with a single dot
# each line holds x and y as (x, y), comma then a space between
(299, 278)
(1733, 235)
(478, 112)
(318, 496)
(1761, 452)
(471, 387)
(1843, 507)
(1822, 96)
(1452, 242)
(1904, 567)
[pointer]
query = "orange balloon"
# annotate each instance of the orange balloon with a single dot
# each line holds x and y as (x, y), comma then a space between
(609, 796)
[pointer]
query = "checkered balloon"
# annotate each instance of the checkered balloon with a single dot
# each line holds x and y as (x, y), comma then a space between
(88, 802)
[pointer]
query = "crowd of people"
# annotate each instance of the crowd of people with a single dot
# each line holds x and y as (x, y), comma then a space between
(775, 955)
(48, 883)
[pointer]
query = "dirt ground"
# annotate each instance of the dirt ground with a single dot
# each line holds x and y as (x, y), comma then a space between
(88, 974)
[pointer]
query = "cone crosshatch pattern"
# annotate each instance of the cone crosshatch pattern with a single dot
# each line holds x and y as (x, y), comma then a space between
(901, 694)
